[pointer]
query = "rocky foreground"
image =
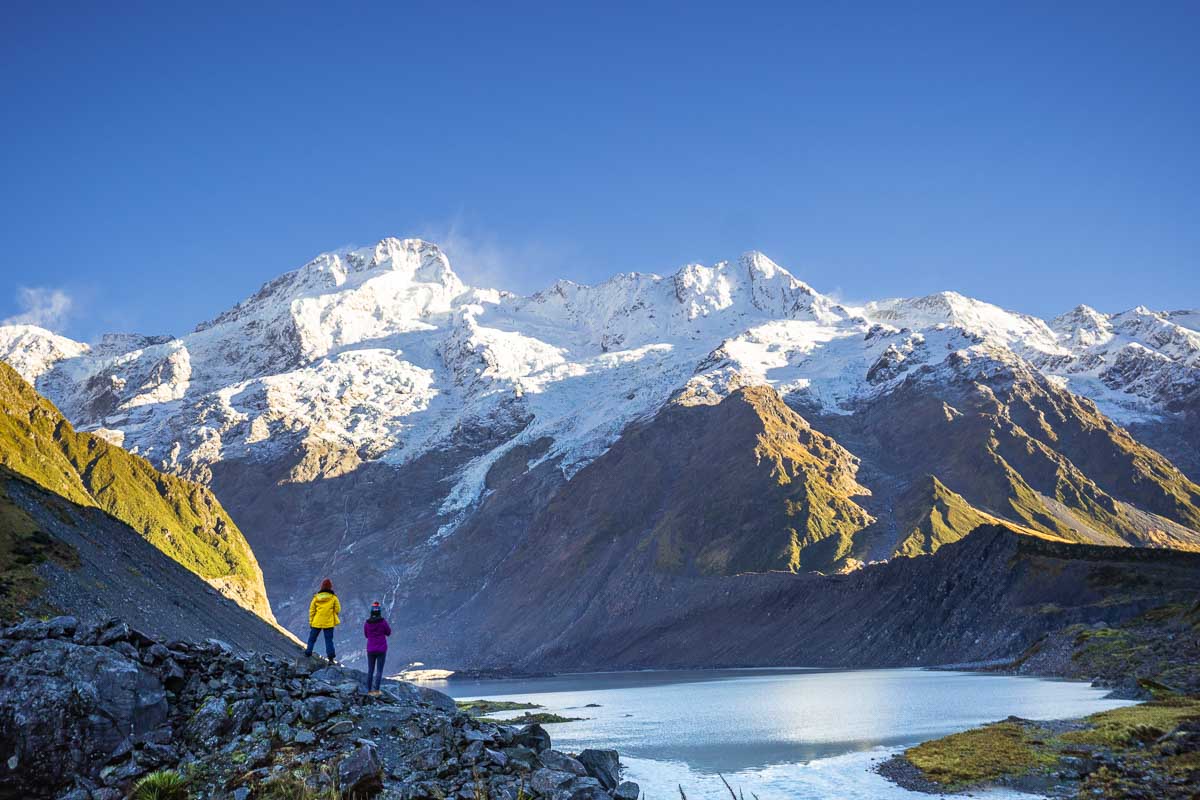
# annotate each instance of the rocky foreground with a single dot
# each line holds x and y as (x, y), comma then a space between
(88, 711)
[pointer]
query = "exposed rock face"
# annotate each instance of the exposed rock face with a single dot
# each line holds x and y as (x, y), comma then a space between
(86, 710)
(67, 707)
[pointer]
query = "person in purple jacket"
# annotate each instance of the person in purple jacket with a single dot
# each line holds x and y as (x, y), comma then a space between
(376, 629)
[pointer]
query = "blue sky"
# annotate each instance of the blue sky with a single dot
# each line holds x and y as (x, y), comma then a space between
(160, 162)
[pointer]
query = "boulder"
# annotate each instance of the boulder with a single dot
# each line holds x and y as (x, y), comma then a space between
(56, 628)
(360, 774)
(65, 708)
(584, 789)
(210, 720)
(547, 781)
(534, 737)
(627, 790)
(320, 708)
(562, 762)
(240, 715)
(408, 694)
(521, 757)
(603, 765)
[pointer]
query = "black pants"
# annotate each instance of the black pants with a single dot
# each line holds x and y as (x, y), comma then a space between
(375, 670)
(313, 633)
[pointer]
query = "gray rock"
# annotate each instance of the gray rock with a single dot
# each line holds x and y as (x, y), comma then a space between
(64, 708)
(552, 759)
(585, 789)
(338, 727)
(210, 720)
(534, 737)
(627, 790)
(547, 781)
(472, 753)
(240, 715)
(360, 774)
(113, 631)
(241, 793)
(304, 737)
(473, 735)
(56, 628)
(408, 694)
(320, 708)
(521, 757)
(604, 765)
(427, 759)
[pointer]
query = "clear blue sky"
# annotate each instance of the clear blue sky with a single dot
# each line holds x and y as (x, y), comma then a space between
(160, 161)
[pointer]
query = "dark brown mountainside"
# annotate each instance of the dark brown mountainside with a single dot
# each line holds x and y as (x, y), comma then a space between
(986, 597)
(79, 559)
(1013, 446)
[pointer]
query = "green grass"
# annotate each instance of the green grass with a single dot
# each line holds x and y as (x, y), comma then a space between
(1008, 749)
(542, 718)
(938, 516)
(1131, 725)
(180, 518)
(980, 755)
(162, 785)
(477, 707)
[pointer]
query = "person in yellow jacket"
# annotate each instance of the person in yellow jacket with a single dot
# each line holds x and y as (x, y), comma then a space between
(323, 614)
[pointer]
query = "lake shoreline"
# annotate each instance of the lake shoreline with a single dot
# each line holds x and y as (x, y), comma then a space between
(779, 733)
(1149, 750)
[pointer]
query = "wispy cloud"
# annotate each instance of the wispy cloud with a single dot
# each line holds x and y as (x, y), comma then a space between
(42, 306)
(484, 260)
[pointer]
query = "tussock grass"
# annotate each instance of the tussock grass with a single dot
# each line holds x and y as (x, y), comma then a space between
(979, 755)
(162, 785)
(1131, 725)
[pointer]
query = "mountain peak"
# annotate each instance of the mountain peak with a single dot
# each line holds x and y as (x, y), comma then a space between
(402, 266)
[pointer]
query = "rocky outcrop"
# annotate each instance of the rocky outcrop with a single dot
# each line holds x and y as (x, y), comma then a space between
(85, 711)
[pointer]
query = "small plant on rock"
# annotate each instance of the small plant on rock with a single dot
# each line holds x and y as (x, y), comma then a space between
(162, 785)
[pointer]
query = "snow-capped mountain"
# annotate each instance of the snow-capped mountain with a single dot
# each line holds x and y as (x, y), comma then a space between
(377, 371)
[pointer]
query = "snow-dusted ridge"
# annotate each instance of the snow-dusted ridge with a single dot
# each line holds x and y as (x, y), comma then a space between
(383, 353)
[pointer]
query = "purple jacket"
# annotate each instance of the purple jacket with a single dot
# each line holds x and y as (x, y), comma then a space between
(377, 633)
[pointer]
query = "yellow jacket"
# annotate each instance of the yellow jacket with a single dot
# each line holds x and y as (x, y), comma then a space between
(323, 610)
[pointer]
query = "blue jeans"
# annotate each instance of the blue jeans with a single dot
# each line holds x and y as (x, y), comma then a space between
(375, 670)
(313, 633)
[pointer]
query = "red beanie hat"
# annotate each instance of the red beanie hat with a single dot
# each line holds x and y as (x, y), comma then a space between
(327, 585)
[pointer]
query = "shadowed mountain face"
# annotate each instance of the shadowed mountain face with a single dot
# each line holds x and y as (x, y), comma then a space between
(180, 518)
(61, 556)
(497, 465)
(988, 596)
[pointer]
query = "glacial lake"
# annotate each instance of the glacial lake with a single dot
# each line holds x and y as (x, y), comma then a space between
(781, 734)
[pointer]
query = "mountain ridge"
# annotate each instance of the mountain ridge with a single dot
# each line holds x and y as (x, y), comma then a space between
(371, 402)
